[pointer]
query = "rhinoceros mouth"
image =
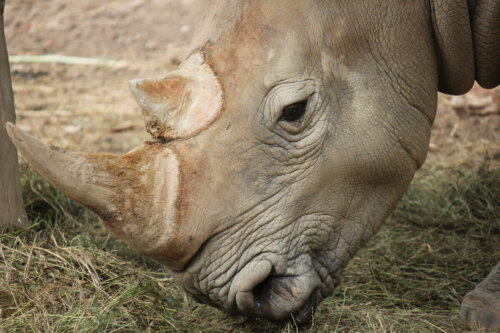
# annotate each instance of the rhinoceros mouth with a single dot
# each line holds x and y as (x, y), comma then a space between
(259, 291)
(282, 298)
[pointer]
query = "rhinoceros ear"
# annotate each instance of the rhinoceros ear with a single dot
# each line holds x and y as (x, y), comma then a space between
(486, 35)
(181, 104)
(455, 53)
(467, 35)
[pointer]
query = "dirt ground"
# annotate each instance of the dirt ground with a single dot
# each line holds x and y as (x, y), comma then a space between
(89, 108)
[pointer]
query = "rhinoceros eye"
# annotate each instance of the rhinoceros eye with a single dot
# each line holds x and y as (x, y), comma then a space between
(294, 112)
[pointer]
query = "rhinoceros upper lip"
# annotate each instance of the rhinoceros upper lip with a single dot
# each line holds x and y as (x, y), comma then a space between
(279, 297)
(261, 293)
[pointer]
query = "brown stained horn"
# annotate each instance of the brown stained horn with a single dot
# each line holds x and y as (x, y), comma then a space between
(135, 195)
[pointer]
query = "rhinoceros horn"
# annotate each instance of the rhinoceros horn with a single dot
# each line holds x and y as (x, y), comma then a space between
(136, 195)
(183, 103)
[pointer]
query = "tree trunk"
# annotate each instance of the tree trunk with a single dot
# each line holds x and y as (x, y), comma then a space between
(12, 213)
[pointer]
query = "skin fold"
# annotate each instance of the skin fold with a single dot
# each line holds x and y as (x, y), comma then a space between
(265, 213)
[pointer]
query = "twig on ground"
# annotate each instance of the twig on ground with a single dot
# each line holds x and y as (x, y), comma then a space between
(68, 60)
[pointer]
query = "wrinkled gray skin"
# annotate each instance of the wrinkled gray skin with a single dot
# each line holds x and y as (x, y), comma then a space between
(302, 199)
(375, 68)
(270, 212)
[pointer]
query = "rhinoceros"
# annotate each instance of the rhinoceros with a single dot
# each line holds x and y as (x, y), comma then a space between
(282, 143)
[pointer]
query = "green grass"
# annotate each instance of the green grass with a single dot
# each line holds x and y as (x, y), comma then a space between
(65, 273)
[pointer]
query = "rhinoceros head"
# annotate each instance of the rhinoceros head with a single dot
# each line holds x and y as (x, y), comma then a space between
(278, 148)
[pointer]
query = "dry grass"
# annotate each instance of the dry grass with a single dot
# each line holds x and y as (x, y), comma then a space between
(66, 274)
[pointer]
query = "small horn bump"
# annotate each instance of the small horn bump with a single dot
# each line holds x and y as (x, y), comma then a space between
(160, 100)
(183, 103)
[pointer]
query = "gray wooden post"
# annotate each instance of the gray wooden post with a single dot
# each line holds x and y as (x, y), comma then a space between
(12, 213)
